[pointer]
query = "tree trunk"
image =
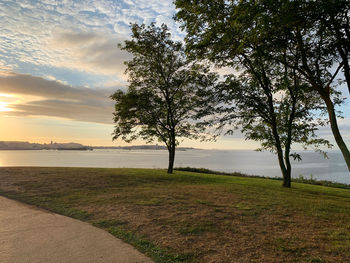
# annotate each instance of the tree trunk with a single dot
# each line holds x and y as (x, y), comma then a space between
(287, 178)
(335, 129)
(285, 172)
(171, 150)
(347, 73)
(171, 160)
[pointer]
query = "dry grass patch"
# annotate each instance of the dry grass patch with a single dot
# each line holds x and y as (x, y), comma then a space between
(189, 217)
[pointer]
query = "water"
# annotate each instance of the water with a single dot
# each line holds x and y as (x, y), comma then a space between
(245, 161)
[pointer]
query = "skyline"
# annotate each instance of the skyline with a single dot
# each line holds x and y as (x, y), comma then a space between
(59, 63)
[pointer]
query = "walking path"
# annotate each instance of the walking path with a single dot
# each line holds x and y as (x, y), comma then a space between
(29, 234)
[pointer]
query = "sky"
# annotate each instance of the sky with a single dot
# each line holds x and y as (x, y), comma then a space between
(59, 63)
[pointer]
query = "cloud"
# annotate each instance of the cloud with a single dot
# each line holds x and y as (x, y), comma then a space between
(5, 68)
(35, 32)
(26, 84)
(79, 110)
(71, 38)
(53, 98)
(90, 51)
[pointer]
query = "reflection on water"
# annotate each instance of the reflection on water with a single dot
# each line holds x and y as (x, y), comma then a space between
(250, 162)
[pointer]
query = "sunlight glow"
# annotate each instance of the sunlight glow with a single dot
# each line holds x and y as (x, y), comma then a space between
(4, 106)
(7, 95)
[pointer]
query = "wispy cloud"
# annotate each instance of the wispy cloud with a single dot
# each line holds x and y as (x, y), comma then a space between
(73, 110)
(80, 35)
(53, 41)
(53, 98)
(89, 51)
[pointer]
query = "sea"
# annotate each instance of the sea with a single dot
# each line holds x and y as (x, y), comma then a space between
(313, 165)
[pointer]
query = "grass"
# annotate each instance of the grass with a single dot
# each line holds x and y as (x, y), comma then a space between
(300, 179)
(195, 217)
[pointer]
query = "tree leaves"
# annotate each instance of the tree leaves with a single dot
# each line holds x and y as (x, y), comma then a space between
(166, 90)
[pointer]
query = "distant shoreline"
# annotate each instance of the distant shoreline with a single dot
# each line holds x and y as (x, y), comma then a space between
(58, 149)
(18, 145)
(102, 148)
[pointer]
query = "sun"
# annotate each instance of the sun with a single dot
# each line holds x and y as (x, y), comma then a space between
(4, 106)
(6, 100)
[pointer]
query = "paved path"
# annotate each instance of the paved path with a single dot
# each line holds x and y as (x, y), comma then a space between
(32, 235)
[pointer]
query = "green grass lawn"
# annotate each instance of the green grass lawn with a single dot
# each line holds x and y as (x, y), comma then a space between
(192, 217)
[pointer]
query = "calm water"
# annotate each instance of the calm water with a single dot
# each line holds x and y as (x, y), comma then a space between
(250, 162)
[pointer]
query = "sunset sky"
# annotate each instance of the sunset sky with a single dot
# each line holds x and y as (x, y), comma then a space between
(59, 62)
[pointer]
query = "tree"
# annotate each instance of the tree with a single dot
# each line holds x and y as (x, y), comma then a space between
(315, 33)
(296, 33)
(267, 107)
(333, 17)
(319, 51)
(164, 92)
(269, 101)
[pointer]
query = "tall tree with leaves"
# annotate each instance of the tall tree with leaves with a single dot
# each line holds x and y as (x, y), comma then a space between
(269, 101)
(294, 33)
(267, 104)
(316, 36)
(164, 93)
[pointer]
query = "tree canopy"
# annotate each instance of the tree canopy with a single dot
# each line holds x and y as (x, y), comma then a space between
(165, 90)
(305, 36)
(272, 102)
